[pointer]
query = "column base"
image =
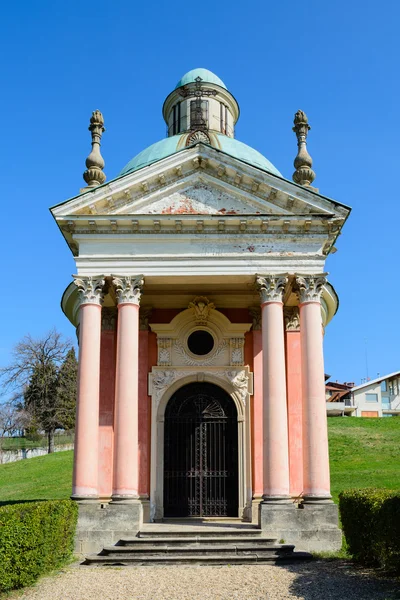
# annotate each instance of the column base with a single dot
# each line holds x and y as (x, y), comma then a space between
(120, 499)
(103, 524)
(316, 500)
(89, 499)
(280, 500)
(310, 527)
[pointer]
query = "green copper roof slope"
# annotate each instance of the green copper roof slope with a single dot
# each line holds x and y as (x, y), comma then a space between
(206, 75)
(168, 146)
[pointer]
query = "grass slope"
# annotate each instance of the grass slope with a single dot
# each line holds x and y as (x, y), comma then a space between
(363, 453)
(42, 478)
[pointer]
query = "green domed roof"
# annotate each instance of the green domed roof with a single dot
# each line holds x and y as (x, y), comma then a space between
(168, 146)
(206, 75)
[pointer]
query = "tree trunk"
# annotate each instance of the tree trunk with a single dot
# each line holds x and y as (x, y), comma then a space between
(50, 441)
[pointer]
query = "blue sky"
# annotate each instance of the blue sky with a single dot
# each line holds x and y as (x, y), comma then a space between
(339, 62)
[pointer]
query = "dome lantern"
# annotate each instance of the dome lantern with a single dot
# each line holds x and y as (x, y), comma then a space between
(200, 103)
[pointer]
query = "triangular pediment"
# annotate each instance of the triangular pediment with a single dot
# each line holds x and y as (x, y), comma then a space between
(200, 180)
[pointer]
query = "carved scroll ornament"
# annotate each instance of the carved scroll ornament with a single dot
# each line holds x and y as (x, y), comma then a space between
(310, 287)
(201, 307)
(271, 287)
(90, 289)
(128, 289)
(292, 318)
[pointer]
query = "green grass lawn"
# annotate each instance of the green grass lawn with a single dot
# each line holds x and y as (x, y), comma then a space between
(42, 478)
(363, 452)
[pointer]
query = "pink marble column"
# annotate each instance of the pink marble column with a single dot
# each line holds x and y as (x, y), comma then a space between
(294, 400)
(258, 485)
(85, 476)
(144, 407)
(126, 443)
(275, 425)
(315, 429)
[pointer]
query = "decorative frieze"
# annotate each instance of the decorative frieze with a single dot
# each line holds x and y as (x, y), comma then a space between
(164, 351)
(236, 348)
(128, 289)
(109, 318)
(271, 287)
(201, 308)
(292, 318)
(90, 289)
(309, 287)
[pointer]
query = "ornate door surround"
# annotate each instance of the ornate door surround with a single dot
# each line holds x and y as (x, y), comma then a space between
(178, 366)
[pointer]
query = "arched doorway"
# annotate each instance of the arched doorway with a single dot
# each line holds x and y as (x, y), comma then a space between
(201, 453)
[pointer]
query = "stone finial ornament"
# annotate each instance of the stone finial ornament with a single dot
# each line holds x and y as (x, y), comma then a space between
(94, 175)
(304, 175)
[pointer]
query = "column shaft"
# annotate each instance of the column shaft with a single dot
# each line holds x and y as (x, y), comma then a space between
(126, 403)
(315, 431)
(258, 444)
(275, 427)
(85, 476)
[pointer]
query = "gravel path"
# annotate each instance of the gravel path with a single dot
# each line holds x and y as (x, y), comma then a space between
(327, 580)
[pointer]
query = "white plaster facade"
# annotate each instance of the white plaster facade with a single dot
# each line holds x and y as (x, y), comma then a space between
(223, 366)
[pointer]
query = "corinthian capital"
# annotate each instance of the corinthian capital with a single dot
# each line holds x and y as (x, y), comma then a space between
(310, 287)
(128, 289)
(271, 287)
(90, 289)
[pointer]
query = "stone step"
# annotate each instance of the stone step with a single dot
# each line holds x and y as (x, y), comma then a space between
(198, 549)
(195, 549)
(182, 559)
(185, 540)
(204, 532)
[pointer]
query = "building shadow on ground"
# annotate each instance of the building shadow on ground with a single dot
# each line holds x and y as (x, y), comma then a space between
(338, 579)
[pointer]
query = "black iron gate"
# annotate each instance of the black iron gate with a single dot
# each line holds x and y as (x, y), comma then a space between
(201, 453)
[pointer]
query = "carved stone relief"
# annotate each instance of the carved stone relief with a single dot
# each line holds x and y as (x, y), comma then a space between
(201, 307)
(237, 348)
(144, 316)
(255, 312)
(192, 362)
(161, 380)
(164, 351)
(292, 318)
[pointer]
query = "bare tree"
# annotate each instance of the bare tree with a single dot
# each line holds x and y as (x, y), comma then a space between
(32, 375)
(11, 421)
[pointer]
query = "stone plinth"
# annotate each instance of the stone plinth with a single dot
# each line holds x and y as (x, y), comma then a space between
(310, 527)
(101, 524)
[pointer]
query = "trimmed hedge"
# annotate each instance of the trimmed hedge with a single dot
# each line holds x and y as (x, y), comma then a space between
(371, 526)
(35, 538)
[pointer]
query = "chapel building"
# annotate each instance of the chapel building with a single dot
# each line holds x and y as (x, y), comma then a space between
(200, 302)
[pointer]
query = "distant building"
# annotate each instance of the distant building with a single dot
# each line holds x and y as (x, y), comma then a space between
(338, 399)
(379, 397)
